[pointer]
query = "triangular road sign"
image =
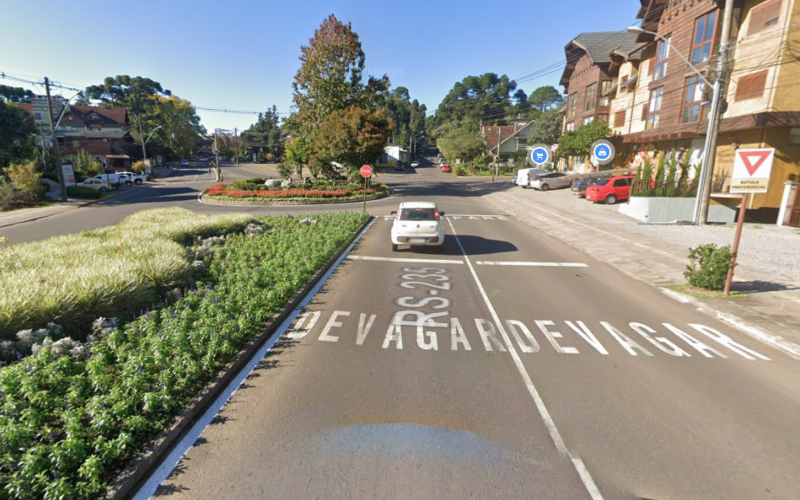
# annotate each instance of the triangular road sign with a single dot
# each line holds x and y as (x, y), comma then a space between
(753, 159)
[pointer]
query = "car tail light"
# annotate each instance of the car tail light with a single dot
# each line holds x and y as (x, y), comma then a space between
(436, 214)
(399, 238)
(435, 239)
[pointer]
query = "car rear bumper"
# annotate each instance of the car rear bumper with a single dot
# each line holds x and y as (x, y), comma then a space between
(595, 196)
(418, 240)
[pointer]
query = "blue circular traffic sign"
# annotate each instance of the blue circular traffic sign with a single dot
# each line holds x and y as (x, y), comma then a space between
(540, 155)
(603, 152)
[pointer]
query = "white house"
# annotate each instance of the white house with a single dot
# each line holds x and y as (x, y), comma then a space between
(391, 155)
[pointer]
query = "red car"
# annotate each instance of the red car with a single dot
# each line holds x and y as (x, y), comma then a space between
(446, 168)
(610, 190)
(399, 166)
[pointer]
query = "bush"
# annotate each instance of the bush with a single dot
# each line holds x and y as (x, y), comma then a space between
(708, 266)
(25, 177)
(459, 170)
(285, 170)
(12, 198)
(247, 185)
(138, 167)
(83, 193)
(74, 414)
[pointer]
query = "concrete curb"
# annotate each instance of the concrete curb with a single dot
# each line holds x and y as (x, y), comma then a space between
(757, 333)
(129, 479)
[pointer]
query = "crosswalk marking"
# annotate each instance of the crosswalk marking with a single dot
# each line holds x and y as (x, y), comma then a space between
(530, 264)
(394, 259)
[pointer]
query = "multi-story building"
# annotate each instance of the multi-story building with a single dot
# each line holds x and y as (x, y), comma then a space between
(588, 80)
(664, 110)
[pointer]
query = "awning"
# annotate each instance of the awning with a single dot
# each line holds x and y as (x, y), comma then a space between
(118, 157)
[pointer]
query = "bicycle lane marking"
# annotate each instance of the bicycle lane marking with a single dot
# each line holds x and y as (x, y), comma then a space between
(580, 468)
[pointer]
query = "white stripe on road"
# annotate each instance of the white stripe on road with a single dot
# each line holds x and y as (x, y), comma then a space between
(531, 264)
(393, 259)
(176, 455)
(537, 399)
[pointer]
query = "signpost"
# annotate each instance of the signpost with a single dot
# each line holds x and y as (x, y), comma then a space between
(366, 173)
(751, 171)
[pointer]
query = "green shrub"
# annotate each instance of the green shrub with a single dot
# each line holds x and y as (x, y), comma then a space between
(73, 415)
(138, 167)
(83, 193)
(459, 170)
(708, 266)
(25, 177)
(246, 185)
(286, 171)
(12, 198)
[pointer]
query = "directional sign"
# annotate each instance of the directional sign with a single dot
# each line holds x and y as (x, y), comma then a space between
(216, 151)
(751, 170)
(539, 155)
(603, 152)
(366, 171)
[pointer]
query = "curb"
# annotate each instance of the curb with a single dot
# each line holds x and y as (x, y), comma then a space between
(131, 477)
(757, 333)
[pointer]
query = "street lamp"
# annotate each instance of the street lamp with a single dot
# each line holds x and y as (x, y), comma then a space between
(144, 146)
(414, 140)
(707, 163)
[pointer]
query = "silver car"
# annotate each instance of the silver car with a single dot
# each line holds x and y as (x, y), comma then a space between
(552, 180)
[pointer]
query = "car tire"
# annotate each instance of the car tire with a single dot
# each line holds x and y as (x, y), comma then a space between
(394, 247)
(137, 181)
(103, 189)
(544, 187)
(611, 199)
(128, 183)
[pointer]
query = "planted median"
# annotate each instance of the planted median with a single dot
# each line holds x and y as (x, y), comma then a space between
(256, 192)
(75, 412)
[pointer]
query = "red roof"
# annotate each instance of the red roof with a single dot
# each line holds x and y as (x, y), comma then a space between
(490, 133)
(119, 115)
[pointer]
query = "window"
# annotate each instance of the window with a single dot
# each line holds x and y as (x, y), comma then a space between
(794, 136)
(751, 86)
(572, 102)
(704, 29)
(588, 119)
(662, 54)
(620, 183)
(764, 16)
(619, 119)
(603, 118)
(605, 87)
(692, 100)
(653, 108)
(570, 126)
(591, 95)
(38, 116)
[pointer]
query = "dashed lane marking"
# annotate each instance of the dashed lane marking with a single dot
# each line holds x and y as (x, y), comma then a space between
(531, 264)
(395, 259)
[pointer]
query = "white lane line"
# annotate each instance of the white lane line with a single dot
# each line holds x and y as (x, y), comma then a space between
(168, 465)
(537, 399)
(531, 264)
(392, 259)
(587, 479)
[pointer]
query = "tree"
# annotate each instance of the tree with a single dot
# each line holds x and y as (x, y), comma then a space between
(179, 121)
(463, 145)
(331, 76)
(545, 98)
(17, 135)
(266, 133)
(579, 142)
(352, 137)
(547, 128)
(16, 94)
(298, 152)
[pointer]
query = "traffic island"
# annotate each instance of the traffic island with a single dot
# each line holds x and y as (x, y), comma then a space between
(254, 192)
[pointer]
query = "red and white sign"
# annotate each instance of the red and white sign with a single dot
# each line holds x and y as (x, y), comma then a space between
(751, 170)
(366, 171)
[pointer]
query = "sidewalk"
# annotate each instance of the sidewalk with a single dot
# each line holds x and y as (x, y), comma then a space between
(23, 215)
(657, 254)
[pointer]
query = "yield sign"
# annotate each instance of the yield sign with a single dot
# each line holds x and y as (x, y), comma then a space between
(751, 170)
(754, 159)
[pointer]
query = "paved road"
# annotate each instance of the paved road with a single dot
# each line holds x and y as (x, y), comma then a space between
(510, 366)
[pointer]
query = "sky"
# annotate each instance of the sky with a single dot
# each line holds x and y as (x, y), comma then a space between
(243, 55)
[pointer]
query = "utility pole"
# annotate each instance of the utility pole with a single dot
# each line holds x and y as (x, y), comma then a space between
(496, 170)
(714, 117)
(216, 154)
(56, 150)
(236, 139)
(44, 155)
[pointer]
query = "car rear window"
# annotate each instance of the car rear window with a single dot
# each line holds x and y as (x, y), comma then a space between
(417, 214)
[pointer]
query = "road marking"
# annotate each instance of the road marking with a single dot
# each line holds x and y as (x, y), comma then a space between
(392, 259)
(176, 455)
(530, 264)
(537, 399)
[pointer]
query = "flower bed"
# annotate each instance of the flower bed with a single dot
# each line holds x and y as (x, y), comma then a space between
(305, 192)
(70, 420)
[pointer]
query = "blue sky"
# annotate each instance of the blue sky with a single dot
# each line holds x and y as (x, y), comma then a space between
(242, 55)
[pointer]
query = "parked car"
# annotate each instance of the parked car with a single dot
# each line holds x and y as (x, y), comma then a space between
(446, 168)
(184, 162)
(109, 178)
(129, 178)
(414, 164)
(580, 184)
(526, 175)
(399, 166)
(610, 190)
(418, 223)
(551, 180)
(97, 184)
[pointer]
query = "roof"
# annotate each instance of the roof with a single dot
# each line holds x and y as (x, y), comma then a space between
(418, 204)
(598, 46)
(506, 132)
(119, 115)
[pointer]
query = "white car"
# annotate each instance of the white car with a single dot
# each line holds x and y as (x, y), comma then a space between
(109, 178)
(414, 164)
(129, 178)
(526, 175)
(418, 223)
(96, 184)
(184, 162)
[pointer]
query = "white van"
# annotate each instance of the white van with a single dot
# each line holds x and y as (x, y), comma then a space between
(526, 175)
(109, 178)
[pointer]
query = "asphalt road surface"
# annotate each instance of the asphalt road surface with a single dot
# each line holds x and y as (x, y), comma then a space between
(509, 366)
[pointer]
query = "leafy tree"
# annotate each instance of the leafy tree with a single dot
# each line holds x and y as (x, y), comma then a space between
(352, 137)
(266, 133)
(579, 142)
(179, 121)
(17, 134)
(298, 152)
(408, 115)
(25, 177)
(331, 77)
(16, 94)
(464, 145)
(545, 98)
(546, 129)
(86, 167)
